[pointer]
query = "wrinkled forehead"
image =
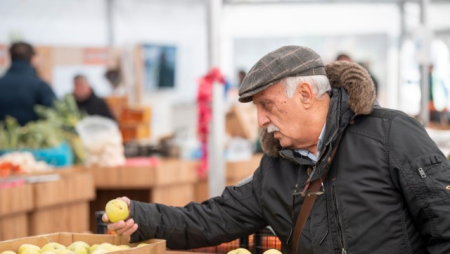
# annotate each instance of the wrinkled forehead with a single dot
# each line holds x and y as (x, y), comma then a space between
(271, 93)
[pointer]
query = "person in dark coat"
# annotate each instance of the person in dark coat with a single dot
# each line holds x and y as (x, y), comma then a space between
(380, 184)
(20, 88)
(87, 100)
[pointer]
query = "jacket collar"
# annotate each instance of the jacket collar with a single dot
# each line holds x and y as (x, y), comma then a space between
(21, 67)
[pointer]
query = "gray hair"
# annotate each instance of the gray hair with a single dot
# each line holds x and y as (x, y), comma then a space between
(319, 83)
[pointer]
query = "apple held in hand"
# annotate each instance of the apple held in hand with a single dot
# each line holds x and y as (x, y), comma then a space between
(117, 210)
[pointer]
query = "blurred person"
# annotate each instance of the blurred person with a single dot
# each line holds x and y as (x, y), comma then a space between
(345, 57)
(21, 88)
(438, 98)
(241, 76)
(340, 174)
(87, 100)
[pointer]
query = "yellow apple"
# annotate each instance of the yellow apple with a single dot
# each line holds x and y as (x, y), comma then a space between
(99, 251)
(141, 244)
(272, 251)
(116, 210)
(53, 247)
(7, 252)
(30, 251)
(47, 252)
(124, 247)
(93, 248)
(78, 243)
(27, 246)
(79, 247)
(64, 251)
(239, 251)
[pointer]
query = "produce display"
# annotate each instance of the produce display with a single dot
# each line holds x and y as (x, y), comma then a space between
(16, 163)
(101, 141)
(56, 125)
(78, 247)
(66, 115)
(117, 210)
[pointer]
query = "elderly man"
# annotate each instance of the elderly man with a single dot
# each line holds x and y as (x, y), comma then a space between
(340, 173)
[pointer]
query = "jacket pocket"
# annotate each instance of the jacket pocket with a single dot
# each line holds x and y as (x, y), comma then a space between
(340, 231)
(432, 178)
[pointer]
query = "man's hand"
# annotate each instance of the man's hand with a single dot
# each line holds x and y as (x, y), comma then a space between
(124, 229)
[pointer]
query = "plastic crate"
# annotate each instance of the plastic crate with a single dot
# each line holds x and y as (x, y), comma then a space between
(264, 240)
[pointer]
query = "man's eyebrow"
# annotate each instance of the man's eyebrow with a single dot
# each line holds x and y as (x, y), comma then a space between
(259, 101)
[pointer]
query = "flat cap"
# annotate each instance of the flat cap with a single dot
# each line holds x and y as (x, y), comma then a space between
(287, 61)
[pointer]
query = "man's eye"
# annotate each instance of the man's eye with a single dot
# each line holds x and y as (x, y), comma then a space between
(267, 106)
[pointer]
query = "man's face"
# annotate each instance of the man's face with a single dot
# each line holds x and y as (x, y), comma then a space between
(285, 117)
(81, 90)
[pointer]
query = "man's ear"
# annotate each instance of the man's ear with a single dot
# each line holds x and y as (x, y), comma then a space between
(306, 94)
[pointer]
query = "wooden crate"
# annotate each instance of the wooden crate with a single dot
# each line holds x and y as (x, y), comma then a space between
(62, 205)
(166, 172)
(13, 226)
(76, 184)
(70, 217)
(134, 131)
(135, 115)
(155, 246)
(15, 202)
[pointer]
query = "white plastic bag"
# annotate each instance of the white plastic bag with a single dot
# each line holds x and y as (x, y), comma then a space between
(102, 141)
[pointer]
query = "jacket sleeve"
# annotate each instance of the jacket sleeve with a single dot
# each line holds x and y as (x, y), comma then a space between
(423, 175)
(236, 213)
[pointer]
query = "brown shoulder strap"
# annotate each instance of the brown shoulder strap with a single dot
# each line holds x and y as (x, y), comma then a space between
(308, 203)
(307, 206)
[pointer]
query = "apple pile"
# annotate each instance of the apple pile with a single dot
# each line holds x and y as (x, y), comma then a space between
(78, 247)
(245, 251)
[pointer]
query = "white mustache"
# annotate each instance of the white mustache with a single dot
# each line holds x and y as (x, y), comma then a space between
(272, 128)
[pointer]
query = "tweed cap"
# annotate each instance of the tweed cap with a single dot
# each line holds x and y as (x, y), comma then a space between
(287, 61)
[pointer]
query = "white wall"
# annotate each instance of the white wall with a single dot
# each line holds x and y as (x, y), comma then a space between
(54, 22)
(289, 22)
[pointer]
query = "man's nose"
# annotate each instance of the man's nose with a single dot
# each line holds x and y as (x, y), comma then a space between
(263, 120)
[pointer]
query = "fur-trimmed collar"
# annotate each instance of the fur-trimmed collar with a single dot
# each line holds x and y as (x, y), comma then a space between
(347, 75)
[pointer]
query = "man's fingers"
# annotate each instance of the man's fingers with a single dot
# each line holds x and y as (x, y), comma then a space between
(128, 225)
(125, 199)
(116, 226)
(105, 218)
(130, 231)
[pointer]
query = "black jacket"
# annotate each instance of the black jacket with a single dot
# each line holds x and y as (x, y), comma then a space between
(94, 105)
(386, 192)
(20, 90)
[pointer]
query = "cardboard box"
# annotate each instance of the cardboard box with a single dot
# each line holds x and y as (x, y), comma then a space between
(241, 121)
(239, 170)
(155, 246)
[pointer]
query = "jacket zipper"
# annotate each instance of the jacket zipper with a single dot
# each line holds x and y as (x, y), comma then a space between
(338, 224)
(422, 173)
